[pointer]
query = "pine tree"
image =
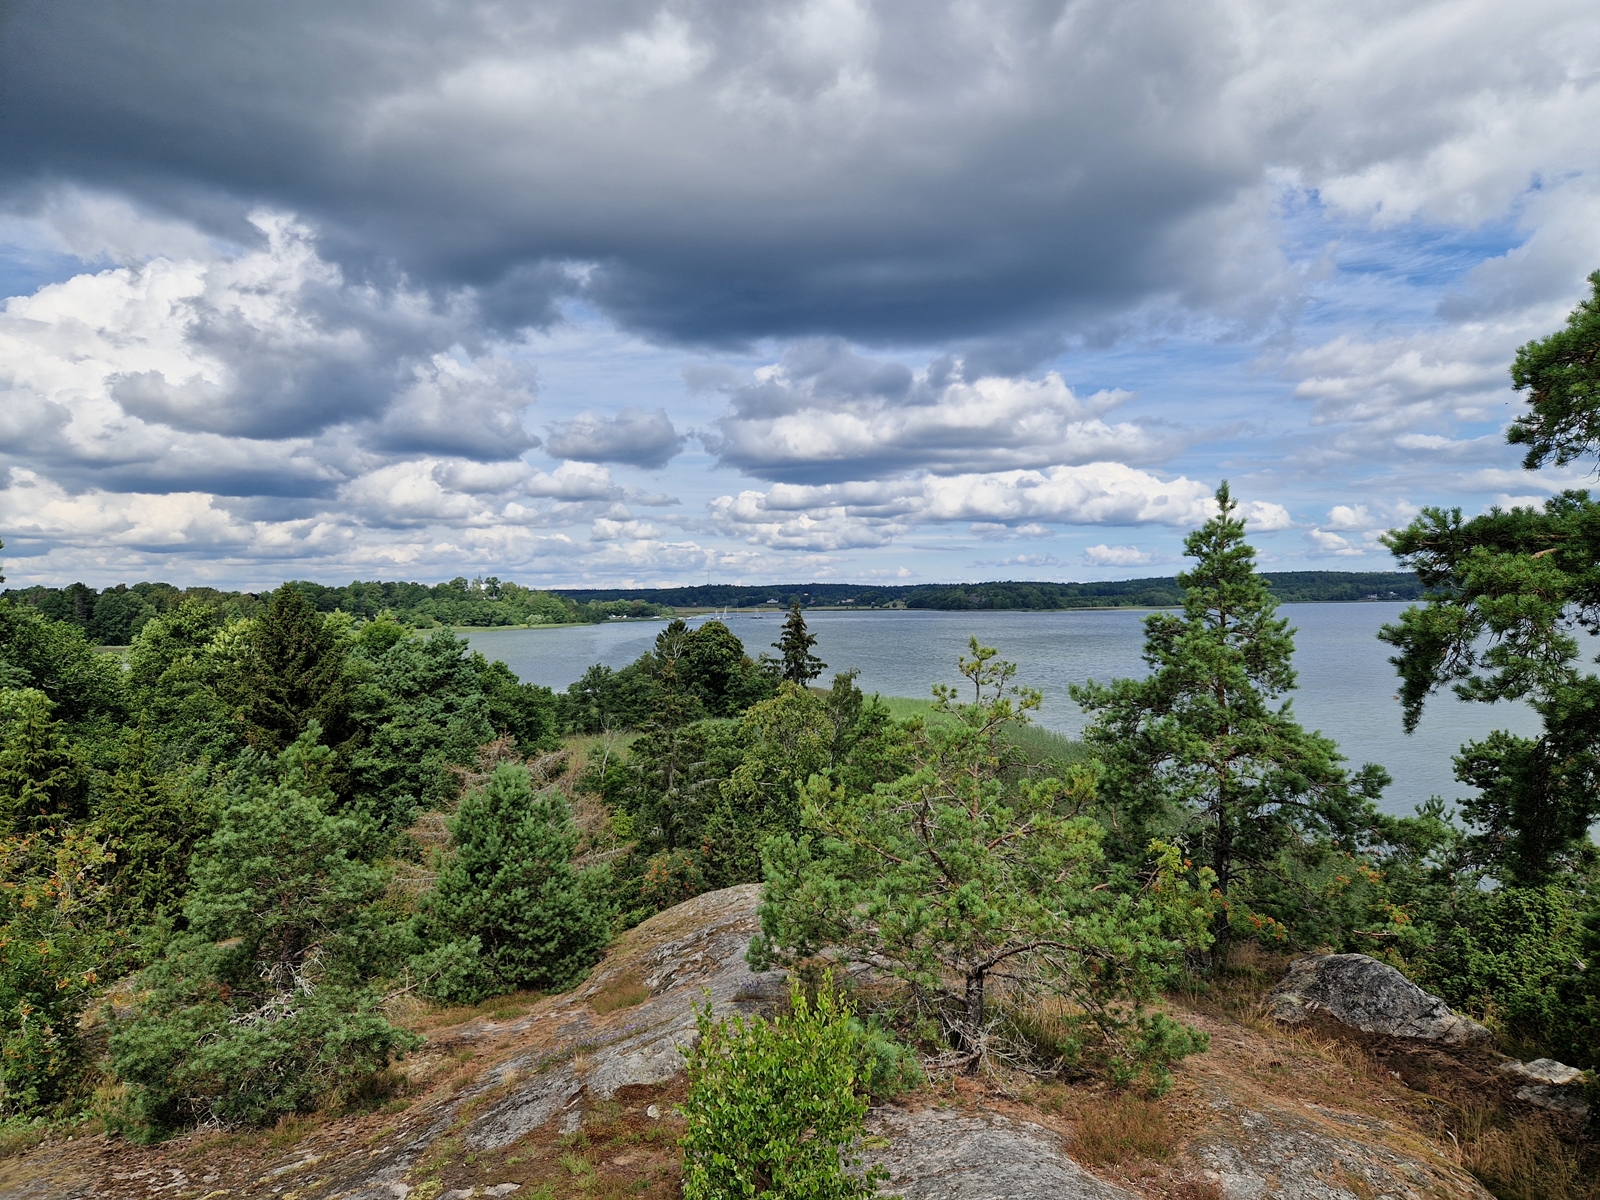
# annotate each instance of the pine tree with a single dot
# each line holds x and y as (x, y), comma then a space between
(1509, 596)
(799, 664)
(1206, 747)
(509, 909)
(265, 1005)
(960, 873)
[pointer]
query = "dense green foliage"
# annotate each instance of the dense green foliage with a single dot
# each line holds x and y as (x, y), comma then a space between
(53, 945)
(697, 800)
(509, 910)
(264, 1004)
(113, 617)
(958, 872)
(1206, 750)
(690, 674)
(218, 813)
(777, 1107)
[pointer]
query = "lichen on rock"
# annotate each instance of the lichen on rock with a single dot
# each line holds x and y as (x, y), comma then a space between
(1363, 993)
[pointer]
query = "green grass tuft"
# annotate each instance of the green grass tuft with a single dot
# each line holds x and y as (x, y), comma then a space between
(1037, 743)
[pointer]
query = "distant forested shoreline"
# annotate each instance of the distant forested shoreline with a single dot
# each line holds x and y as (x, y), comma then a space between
(1289, 587)
(113, 616)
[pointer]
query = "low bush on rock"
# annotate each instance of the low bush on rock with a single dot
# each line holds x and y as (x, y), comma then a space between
(776, 1107)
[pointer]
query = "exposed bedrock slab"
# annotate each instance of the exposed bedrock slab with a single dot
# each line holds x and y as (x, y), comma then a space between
(1276, 1154)
(935, 1155)
(1368, 995)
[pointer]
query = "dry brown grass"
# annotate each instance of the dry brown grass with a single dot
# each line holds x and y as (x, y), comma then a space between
(1517, 1156)
(496, 1008)
(18, 1137)
(622, 992)
(1122, 1127)
(1237, 990)
(1525, 1160)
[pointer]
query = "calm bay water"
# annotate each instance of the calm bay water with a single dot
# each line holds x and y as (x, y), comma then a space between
(1347, 687)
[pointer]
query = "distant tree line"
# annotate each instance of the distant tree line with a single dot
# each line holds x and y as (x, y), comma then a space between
(1288, 587)
(115, 615)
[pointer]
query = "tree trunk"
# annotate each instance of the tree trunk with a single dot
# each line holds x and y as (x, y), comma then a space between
(972, 1027)
(1221, 931)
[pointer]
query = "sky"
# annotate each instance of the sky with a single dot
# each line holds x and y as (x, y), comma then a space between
(655, 292)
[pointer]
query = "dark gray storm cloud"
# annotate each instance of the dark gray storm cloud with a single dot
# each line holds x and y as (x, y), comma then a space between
(634, 436)
(719, 169)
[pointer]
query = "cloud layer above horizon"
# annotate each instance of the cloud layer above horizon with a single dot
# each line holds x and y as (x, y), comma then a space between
(646, 292)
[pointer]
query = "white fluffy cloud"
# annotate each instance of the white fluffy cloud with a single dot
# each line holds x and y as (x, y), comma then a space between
(162, 364)
(827, 413)
(168, 521)
(1325, 543)
(849, 515)
(1117, 556)
(248, 404)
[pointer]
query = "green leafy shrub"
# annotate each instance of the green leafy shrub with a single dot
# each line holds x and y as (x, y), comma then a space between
(263, 1005)
(776, 1107)
(509, 910)
(52, 941)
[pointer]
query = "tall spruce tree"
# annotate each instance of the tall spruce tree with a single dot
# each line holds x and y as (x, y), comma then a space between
(1207, 750)
(799, 664)
(44, 781)
(293, 673)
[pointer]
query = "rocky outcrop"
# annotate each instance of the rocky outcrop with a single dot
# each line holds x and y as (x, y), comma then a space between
(1257, 1151)
(940, 1155)
(1542, 1070)
(691, 953)
(1546, 1083)
(1365, 994)
(498, 1100)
